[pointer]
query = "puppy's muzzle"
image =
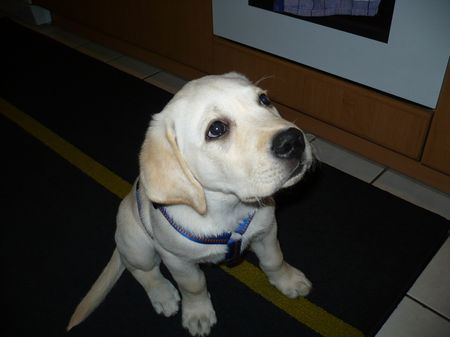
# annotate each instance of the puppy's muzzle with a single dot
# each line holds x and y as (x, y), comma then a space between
(289, 144)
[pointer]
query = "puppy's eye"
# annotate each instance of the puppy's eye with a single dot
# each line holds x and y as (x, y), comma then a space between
(217, 129)
(264, 100)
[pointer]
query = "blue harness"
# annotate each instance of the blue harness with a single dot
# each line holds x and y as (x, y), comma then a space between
(233, 240)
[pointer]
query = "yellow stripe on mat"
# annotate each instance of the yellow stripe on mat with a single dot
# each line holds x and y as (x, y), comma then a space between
(301, 309)
(72, 154)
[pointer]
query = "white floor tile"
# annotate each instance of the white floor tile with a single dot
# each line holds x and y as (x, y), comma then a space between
(134, 67)
(346, 161)
(415, 192)
(99, 52)
(432, 288)
(166, 81)
(67, 38)
(410, 319)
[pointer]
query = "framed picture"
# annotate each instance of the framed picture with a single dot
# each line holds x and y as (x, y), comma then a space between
(369, 18)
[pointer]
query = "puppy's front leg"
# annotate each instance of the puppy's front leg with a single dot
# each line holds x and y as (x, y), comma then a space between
(198, 315)
(287, 279)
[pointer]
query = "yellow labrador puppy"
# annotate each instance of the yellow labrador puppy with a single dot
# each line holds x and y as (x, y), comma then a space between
(210, 162)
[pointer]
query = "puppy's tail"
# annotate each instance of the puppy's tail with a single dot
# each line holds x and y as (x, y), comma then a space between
(99, 290)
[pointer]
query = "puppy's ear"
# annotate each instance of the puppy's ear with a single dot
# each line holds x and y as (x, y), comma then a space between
(165, 174)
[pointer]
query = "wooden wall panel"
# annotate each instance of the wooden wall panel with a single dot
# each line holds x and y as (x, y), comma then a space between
(179, 30)
(397, 125)
(193, 37)
(437, 150)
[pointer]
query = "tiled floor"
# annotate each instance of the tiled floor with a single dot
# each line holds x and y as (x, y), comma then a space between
(425, 311)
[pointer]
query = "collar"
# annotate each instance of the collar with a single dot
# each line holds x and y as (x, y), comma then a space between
(233, 240)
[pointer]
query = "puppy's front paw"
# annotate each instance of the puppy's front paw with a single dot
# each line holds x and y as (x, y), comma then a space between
(290, 281)
(198, 317)
(165, 299)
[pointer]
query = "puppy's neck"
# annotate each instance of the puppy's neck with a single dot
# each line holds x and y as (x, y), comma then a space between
(219, 202)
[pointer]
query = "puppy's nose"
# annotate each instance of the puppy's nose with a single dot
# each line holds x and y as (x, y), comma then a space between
(288, 144)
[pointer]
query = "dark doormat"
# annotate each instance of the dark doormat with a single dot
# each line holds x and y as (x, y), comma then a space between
(361, 247)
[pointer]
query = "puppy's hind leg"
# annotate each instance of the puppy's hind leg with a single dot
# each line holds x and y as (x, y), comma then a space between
(163, 295)
(138, 253)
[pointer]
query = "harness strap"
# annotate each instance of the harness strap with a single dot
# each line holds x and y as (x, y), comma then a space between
(233, 240)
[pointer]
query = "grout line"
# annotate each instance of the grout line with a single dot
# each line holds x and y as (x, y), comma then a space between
(428, 308)
(106, 61)
(152, 75)
(383, 171)
(112, 59)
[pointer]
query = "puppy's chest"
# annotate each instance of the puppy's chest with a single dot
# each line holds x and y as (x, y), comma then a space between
(210, 238)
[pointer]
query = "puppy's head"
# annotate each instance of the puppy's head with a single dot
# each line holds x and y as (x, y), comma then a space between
(221, 133)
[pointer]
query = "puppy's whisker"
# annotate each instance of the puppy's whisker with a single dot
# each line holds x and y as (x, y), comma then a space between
(265, 77)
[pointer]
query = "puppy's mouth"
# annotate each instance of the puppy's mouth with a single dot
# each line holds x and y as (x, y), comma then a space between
(299, 171)
(293, 177)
